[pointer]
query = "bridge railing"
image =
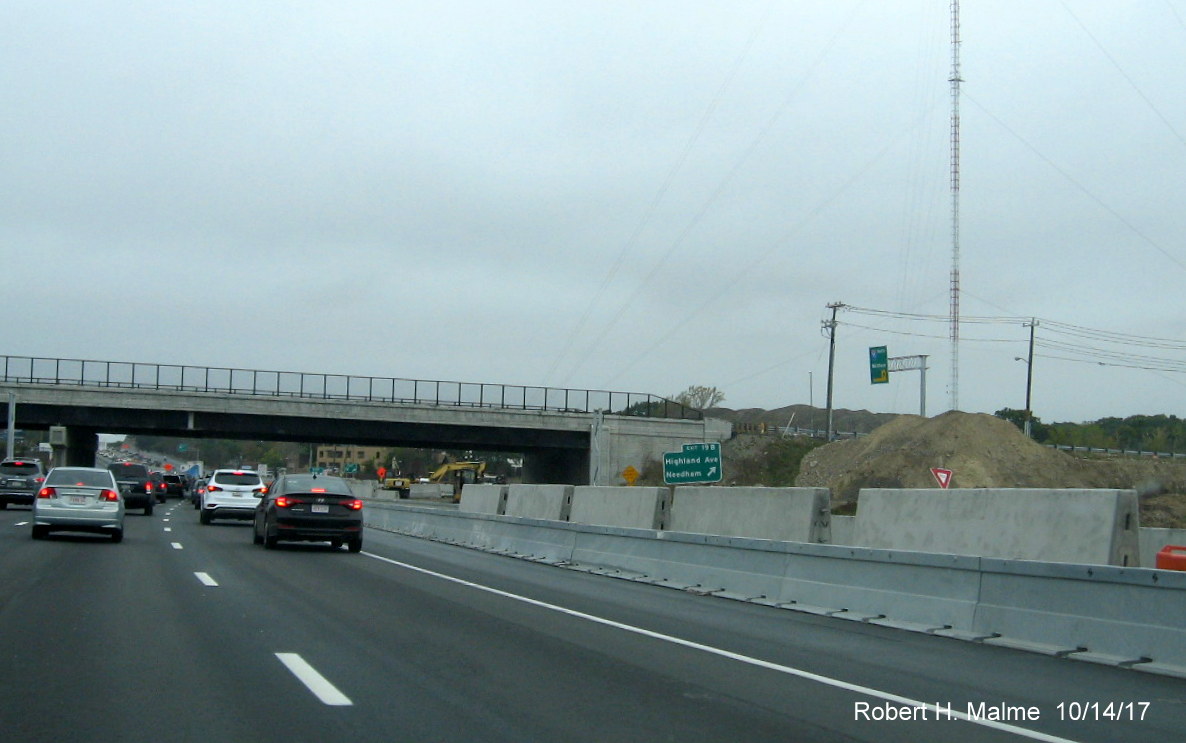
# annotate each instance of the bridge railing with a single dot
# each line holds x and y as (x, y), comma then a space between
(232, 381)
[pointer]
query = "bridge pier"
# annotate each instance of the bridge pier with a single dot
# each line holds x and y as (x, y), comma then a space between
(556, 466)
(82, 444)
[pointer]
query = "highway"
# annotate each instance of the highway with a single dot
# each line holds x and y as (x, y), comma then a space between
(186, 632)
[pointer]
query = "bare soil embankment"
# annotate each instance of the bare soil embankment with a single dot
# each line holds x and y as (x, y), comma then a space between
(984, 451)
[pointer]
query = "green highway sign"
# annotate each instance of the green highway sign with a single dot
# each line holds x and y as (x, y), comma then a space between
(695, 463)
(878, 365)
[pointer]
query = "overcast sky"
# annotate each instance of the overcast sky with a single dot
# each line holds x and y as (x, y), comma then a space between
(635, 196)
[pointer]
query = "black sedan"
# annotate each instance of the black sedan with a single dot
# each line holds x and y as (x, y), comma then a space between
(309, 508)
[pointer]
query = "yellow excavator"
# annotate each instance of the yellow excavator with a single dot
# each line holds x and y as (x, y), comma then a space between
(402, 483)
(462, 473)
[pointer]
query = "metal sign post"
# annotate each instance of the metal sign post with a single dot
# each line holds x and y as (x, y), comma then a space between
(911, 363)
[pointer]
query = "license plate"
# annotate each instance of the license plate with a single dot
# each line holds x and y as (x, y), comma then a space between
(78, 500)
(320, 509)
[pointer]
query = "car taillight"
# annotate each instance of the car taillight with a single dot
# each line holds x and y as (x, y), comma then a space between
(212, 488)
(284, 501)
(47, 493)
(353, 505)
(263, 490)
(148, 487)
(109, 495)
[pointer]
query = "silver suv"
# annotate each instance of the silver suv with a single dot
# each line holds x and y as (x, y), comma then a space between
(231, 494)
(20, 479)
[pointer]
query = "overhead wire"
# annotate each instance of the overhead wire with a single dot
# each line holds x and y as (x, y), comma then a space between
(660, 195)
(759, 137)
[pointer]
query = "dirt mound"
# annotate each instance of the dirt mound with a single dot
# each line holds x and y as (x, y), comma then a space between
(984, 451)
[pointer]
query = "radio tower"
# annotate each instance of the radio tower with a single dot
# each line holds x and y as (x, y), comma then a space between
(955, 203)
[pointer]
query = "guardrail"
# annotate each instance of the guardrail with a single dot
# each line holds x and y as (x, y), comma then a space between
(233, 381)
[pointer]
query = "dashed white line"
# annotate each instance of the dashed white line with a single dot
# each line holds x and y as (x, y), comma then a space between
(206, 579)
(177, 546)
(316, 683)
(168, 528)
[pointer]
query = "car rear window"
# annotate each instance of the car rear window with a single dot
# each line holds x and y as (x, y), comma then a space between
(19, 468)
(307, 483)
(237, 478)
(88, 478)
(129, 470)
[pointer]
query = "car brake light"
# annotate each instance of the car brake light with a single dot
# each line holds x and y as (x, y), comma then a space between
(316, 490)
(284, 501)
(148, 487)
(353, 505)
(261, 490)
(212, 488)
(47, 493)
(109, 495)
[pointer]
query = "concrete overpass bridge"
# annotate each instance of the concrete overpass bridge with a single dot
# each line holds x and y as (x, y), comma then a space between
(567, 436)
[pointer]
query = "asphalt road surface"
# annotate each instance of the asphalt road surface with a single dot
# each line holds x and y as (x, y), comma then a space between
(186, 632)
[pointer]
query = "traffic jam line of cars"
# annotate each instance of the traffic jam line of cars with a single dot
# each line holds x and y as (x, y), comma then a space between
(297, 507)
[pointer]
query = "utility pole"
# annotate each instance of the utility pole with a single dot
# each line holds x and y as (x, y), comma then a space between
(830, 329)
(1029, 380)
(10, 447)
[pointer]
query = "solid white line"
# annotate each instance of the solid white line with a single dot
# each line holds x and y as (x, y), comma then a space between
(788, 670)
(322, 689)
(177, 545)
(206, 579)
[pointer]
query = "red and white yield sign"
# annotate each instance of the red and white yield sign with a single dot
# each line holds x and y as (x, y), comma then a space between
(942, 476)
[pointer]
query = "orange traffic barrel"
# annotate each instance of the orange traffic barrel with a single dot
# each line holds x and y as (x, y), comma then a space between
(1171, 557)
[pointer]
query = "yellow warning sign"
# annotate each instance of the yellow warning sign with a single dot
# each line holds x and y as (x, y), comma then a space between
(630, 475)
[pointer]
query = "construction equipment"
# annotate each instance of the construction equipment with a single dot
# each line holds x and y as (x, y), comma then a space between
(462, 472)
(402, 483)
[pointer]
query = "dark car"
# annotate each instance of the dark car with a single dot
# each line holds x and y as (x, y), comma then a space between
(136, 485)
(175, 485)
(197, 491)
(20, 479)
(158, 485)
(309, 508)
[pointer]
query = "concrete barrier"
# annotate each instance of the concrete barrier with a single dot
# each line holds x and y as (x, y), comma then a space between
(1119, 616)
(783, 514)
(483, 498)
(1153, 539)
(844, 529)
(431, 490)
(1074, 526)
(1114, 615)
(638, 508)
(553, 502)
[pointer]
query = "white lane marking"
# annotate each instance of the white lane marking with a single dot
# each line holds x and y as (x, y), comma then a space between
(207, 580)
(168, 528)
(21, 523)
(308, 675)
(788, 670)
(177, 546)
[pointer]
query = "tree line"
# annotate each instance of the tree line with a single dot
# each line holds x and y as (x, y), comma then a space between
(1155, 433)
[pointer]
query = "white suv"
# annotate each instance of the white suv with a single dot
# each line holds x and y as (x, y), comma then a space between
(231, 494)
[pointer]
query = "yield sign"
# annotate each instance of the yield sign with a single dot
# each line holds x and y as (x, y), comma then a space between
(942, 476)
